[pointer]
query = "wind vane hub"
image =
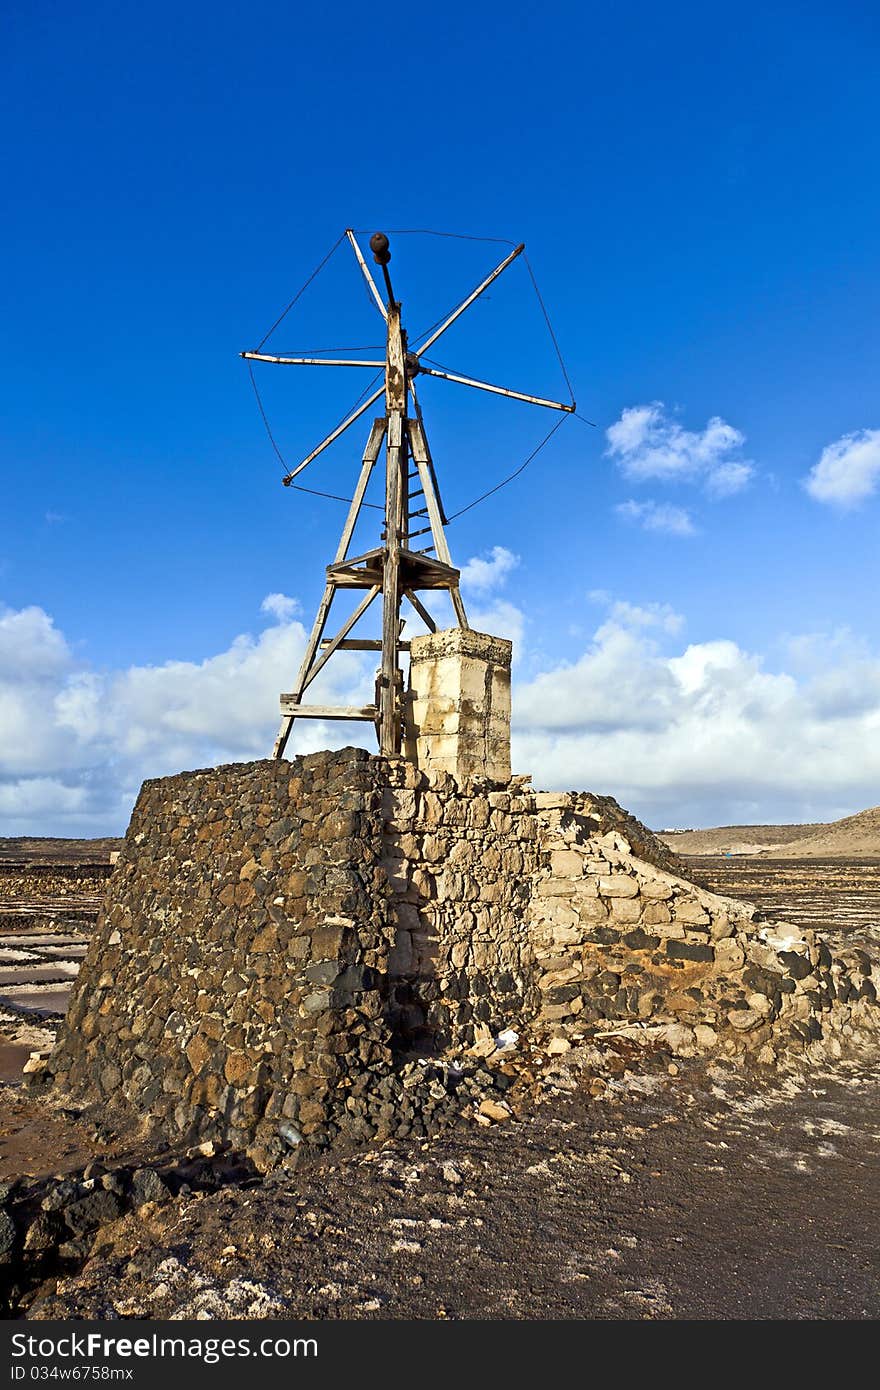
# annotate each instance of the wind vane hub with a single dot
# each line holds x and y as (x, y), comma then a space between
(380, 248)
(413, 508)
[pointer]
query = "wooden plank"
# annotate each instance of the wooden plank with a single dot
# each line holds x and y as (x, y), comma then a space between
(496, 390)
(458, 605)
(343, 632)
(308, 656)
(309, 361)
(371, 453)
(292, 709)
(465, 304)
(368, 555)
(334, 434)
(422, 458)
(365, 271)
(357, 579)
(428, 565)
(421, 610)
(363, 644)
(396, 468)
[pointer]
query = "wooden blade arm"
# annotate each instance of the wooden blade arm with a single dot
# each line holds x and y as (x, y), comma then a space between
(340, 636)
(371, 283)
(475, 294)
(334, 434)
(310, 361)
(496, 390)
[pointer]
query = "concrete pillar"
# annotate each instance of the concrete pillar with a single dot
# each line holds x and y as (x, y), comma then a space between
(458, 719)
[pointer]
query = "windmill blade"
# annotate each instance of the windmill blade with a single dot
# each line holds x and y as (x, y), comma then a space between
(475, 294)
(371, 283)
(334, 434)
(496, 390)
(311, 361)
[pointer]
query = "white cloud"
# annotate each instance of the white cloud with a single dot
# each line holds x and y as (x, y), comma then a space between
(658, 516)
(76, 743)
(485, 573)
(848, 471)
(704, 732)
(728, 478)
(707, 734)
(649, 443)
(659, 615)
(30, 645)
(280, 606)
(486, 610)
(501, 619)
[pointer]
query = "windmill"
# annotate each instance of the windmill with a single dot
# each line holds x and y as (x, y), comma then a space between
(393, 570)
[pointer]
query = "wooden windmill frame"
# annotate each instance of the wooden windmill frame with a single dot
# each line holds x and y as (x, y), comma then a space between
(392, 569)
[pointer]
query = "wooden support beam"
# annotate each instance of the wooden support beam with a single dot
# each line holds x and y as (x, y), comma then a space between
(421, 610)
(466, 303)
(343, 632)
(371, 453)
(396, 509)
(458, 605)
(292, 709)
(334, 434)
(371, 283)
(309, 361)
(496, 390)
(315, 636)
(422, 457)
(363, 644)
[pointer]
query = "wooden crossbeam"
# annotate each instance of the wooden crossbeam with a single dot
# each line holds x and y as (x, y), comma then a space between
(292, 709)
(421, 610)
(371, 453)
(496, 390)
(343, 632)
(362, 644)
(466, 303)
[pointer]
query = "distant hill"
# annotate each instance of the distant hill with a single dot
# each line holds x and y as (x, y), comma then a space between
(854, 837)
(735, 839)
(28, 849)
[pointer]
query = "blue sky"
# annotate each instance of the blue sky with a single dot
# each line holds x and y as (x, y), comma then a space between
(693, 602)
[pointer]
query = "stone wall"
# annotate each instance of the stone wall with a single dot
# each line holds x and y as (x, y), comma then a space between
(533, 909)
(624, 946)
(276, 935)
(232, 984)
(460, 866)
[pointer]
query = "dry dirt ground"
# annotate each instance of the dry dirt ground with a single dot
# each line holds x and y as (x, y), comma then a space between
(701, 1193)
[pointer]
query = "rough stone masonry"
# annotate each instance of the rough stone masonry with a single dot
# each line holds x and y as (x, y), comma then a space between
(277, 937)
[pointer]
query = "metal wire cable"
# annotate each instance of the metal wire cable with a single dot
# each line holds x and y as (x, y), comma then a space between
(302, 291)
(549, 327)
(428, 231)
(298, 487)
(510, 477)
